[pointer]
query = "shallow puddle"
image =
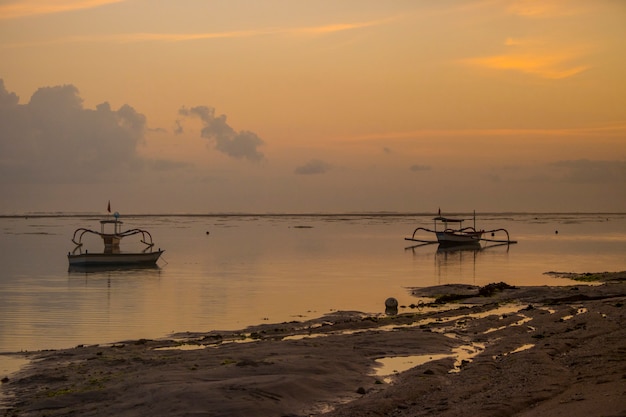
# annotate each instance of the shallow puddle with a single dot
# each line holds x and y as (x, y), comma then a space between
(523, 347)
(10, 364)
(580, 310)
(389, 366)
(465, 354)
(392, 365)
(519, 349)
(396, 364)
(305, 336)
(524, 319)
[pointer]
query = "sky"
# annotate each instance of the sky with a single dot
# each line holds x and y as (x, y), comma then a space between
(312, 106)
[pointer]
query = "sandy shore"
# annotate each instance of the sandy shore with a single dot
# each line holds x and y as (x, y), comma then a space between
(529, 351)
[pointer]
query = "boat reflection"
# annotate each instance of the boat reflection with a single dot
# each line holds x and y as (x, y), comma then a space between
(90, 269)
(457, 255)
(458, 263)
(468, 247)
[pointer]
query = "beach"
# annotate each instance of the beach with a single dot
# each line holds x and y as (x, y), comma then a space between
(490, 351)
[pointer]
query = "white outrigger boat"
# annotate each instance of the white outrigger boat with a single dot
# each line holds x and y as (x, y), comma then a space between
(460, 236)
(112, 255)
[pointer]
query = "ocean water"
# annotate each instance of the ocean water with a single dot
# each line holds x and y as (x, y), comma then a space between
(228, 272)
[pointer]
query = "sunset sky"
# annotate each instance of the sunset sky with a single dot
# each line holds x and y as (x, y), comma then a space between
(297, 106)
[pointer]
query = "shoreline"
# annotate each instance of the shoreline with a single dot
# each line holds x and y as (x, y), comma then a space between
(557, 350)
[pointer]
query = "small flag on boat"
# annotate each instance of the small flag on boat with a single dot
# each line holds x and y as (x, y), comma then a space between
(109, 206)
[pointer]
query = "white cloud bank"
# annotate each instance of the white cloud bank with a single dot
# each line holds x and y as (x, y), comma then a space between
(54, 139)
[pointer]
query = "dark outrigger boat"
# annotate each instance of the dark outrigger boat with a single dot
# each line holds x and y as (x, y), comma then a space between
(448, 236)
(112, 255)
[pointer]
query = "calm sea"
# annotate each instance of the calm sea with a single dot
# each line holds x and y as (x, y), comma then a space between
(228, 272)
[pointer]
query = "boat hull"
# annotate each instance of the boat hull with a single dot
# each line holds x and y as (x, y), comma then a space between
(114, 259)
(454, 239)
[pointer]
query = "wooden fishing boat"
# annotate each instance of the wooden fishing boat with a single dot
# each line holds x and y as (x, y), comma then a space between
(448, 235)
(112, 234)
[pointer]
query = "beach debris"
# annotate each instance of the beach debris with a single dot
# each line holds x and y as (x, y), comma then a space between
(391, 306)
(490, 289)
(391, 303)
(590, 276)
(486, 291)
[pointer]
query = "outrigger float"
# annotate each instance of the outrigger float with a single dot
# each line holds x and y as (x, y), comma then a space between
(460, 236)
(112, 255)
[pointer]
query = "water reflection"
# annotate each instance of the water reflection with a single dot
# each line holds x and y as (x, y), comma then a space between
(447, 251)
(460, 260)
(468, 247)
(93, 269)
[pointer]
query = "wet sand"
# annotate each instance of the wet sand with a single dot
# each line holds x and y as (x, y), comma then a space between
(527, 351)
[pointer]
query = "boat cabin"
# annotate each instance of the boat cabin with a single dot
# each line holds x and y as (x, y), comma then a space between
(110, 237)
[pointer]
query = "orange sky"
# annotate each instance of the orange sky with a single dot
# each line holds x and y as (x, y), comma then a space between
(320, 106)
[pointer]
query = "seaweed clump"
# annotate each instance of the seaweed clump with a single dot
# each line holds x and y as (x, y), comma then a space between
(590, 276)
(486, 291)
(490, 289)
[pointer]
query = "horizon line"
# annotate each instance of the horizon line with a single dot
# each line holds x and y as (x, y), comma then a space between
(382, 213)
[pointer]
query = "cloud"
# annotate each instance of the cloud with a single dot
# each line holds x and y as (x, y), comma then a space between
(53, 138)
(313, 167)
(26, 8)
(555, 65)
(122, 38)
(248, 33)
(243, 144)
(546, 56)
(535, 56)
(417, 168)
(339, 27)
(7, 99)
(544, 9)
(593, 173)
(614, 130)
(178, 129)
(587, 171)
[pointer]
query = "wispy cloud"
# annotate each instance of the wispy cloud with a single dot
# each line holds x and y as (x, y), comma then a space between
(180, 37)
(313, 167)
(584, 170)
(552, 66)
(616, 131)
(546, 56)
(338, 27)
(534, 57)
(183, 37)
(26, 8)
(544, 9)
